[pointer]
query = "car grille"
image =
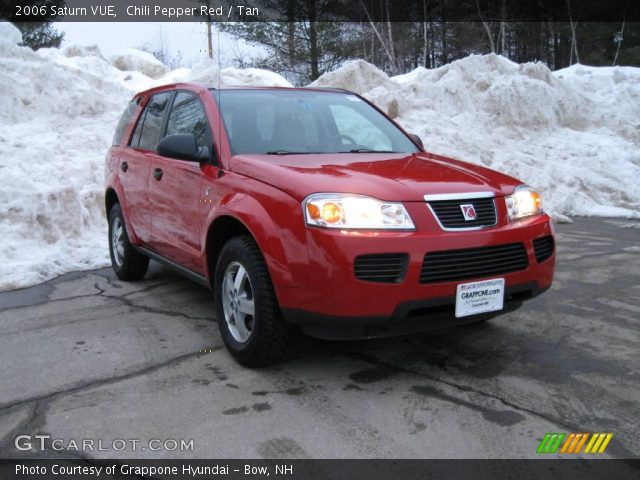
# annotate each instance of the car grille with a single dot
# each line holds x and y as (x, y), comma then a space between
(473, 263)
(543, 248)
(383, 267)
(450, 215)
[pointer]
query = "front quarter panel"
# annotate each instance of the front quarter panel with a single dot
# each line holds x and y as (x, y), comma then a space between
(273, 218)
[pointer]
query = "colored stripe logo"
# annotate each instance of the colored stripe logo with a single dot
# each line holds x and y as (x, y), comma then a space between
(574, 443)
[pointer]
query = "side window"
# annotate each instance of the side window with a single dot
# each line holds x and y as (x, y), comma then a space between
(188, 116)
(135, 139)
(147, 132)
(125, 118)
(354, 125)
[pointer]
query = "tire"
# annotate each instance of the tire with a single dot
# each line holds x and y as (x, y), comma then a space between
(126, 262)
(253, 340)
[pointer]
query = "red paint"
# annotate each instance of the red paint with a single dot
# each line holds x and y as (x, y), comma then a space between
(311, 268)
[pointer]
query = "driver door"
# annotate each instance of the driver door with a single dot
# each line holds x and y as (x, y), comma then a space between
(174, 187)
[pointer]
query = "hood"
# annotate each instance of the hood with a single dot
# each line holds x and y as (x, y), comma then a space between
(390, 177)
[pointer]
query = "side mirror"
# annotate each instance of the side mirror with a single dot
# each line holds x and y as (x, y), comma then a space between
(182, 146)
(417, 140)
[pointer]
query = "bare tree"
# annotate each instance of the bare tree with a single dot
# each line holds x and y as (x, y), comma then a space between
(618, 39)
(425, 37)
(502, 36)
(574, 41)
(387, 45)
(161, 50)
(487, 28)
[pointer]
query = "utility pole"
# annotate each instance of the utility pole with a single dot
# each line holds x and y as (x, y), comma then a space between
(207, 3)
(209, 39)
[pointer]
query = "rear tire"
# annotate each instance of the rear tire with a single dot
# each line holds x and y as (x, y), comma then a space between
(127, 263)
(248, 314)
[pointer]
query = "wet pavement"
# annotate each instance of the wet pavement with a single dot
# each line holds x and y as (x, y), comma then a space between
(87, 357)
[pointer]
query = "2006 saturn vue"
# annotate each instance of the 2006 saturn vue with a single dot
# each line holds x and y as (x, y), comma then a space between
(309, 209)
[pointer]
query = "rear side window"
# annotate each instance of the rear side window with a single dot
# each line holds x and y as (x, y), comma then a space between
(188, 116)
(125, 118)
(147, 133)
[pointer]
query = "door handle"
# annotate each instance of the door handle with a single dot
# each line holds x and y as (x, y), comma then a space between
(157, 173)
(124, 166)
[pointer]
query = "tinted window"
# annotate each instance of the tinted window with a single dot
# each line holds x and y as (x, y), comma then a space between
(125, 118)
(147, 133)
(299, 121)
(188, 116)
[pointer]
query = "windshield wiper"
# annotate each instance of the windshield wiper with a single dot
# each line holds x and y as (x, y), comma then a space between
(287, 152)
(355, 150)
(369, 150)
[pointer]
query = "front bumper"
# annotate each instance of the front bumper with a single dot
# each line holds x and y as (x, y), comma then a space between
(431, 314)
(326, 291)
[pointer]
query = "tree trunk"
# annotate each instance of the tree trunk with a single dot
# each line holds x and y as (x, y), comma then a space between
(503, 29)
(394, 62)
(291, 43)
(487, 28)
(615, 59)
(313, 51)
(425, 48)
(574, 41)
(379, 36)
(444, 55)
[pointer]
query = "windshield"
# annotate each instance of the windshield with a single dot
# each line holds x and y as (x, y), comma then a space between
(281, 122)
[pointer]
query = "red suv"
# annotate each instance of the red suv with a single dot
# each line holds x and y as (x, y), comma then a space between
(310, 209)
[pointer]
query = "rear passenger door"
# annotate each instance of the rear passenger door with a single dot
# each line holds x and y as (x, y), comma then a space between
(135, 163)
(174, 188)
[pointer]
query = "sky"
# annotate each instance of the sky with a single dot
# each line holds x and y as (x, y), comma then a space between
(188, 38)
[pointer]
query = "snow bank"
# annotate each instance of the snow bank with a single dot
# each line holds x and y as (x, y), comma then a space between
(573, 134)
(58, 111)
(206, 72)
(131, 59)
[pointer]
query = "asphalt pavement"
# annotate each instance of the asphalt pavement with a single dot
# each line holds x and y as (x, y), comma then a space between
(88, 357)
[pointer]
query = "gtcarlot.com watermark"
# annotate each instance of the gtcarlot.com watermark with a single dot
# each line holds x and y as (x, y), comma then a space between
(44, 442)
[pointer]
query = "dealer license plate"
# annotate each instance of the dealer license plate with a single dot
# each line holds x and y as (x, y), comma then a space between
(479, 297)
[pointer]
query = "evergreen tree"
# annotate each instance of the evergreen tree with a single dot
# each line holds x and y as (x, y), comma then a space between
(39, 35)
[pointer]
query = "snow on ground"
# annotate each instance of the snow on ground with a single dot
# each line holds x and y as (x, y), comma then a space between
(573, 134)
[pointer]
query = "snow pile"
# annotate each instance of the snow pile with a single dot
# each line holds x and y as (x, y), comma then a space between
(130, 59)
(58, 111)
(207, 73)
(573, 134)
(55, 123)
(75, 50)
(357, 76)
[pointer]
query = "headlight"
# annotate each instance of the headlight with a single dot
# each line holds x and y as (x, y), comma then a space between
(335, 210)
(523, 202)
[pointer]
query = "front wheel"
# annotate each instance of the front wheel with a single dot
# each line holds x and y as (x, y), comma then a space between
(126, 262)
(248, 314)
